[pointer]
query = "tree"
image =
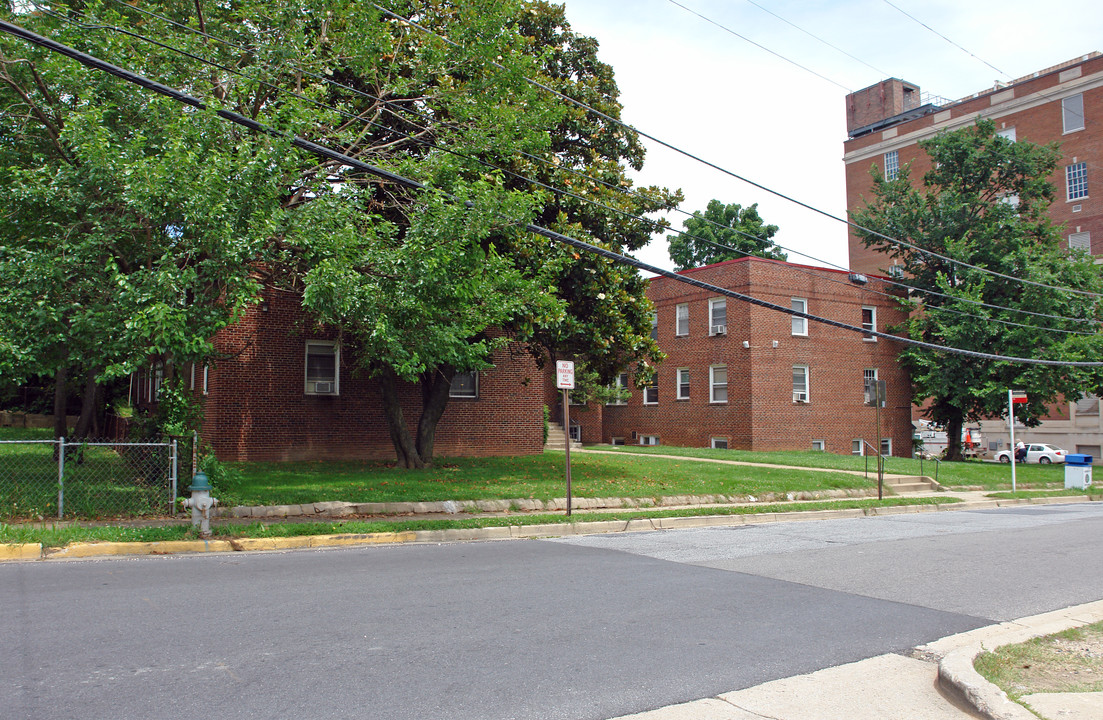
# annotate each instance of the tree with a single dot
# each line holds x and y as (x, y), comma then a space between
(984, 203)
(419, 290)
(722, 232)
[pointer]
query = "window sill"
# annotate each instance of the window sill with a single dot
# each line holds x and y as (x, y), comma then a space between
(718, 402)
(871, 340)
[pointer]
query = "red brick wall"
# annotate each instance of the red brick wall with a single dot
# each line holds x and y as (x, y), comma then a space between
(257, 409)
(1037, 120)
(760, 413)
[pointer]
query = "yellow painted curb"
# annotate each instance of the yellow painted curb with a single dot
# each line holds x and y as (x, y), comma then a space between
(166, 547)
(308, 541)
(20, 551)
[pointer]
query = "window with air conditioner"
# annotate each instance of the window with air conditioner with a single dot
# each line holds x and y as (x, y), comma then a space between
(718, 316)
(683, 383)
(466, 385)
(322, 367)
(800, 325)
(869, 323)
(1072, 113)
(800, 383)
(718, 384)
(681, 320)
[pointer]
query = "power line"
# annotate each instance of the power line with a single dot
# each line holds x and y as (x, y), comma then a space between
(534, 182)
(912, 17)
(329, 153)
(730, 173)
(758, 45)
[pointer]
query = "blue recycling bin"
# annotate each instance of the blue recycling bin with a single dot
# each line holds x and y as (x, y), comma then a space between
(1078, 471)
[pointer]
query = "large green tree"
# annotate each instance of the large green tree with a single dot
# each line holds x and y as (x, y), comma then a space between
(419, 289)
(722, 232)
(985, 204)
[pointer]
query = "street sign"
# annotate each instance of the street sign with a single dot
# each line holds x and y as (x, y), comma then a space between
(564, 374)
(1018, 396)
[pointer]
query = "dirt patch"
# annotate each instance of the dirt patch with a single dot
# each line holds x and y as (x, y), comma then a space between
(1071, 661)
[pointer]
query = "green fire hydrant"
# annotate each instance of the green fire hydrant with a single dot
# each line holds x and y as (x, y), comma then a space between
(200, 503)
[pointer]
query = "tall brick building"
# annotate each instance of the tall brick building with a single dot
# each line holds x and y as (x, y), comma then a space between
(1062, 104)
(745, 377)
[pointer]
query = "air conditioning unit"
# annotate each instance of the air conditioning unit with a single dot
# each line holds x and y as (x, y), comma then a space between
(719, 330)
(799, 397)
(323, 388)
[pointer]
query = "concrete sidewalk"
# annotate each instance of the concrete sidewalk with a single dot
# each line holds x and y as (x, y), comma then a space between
(937, 682)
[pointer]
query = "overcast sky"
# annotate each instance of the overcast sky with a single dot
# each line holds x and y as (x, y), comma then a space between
(702, 89)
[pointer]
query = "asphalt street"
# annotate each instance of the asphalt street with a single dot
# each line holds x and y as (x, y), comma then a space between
(585, 627)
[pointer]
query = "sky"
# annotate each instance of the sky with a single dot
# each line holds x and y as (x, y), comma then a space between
(752, 111)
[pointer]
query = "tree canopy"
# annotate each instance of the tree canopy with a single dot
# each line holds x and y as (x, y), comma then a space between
(985, 204)
(722, 232)
(418, 287)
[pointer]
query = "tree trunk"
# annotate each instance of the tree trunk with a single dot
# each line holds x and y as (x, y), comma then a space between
(435, 386)
(61, 400)
(953, 437)
(88, 405)
(404, 447)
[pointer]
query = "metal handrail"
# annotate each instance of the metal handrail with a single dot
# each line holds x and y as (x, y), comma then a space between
(880, 467)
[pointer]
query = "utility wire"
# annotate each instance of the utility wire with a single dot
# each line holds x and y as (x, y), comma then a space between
(656, 224)
(730, 173)
(912, 17)
(759, 45)
(331, 154)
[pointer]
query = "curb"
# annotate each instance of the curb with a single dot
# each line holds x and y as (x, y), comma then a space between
(959, 678)
(80, 550)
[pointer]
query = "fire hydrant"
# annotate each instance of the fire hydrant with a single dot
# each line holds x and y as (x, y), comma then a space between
(200, 503)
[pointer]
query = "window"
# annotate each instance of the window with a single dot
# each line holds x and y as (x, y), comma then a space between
(800, 383)
(1008, 133)
(651, 393)
(856, 447)
(1088, 405)
(620, 384)
(886, 447)
(683, 383)
(1076, 180)
(1080, 241)
(322, 362)
(869, 322)
(649, 439)
(655, 325)
(466, 385)
(892, 164)
(819, 445)
(681, 320)
(718, 384)
(718, 316)
(869, 385)
(206, 378)
(1072, 113)
(718, 443)
(156, 377)
(616, 441)
(800, 325)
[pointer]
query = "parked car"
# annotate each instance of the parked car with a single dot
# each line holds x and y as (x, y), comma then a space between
(1036, 453)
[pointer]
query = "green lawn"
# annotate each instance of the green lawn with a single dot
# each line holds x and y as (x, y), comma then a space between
(969, 473)
(539, 476)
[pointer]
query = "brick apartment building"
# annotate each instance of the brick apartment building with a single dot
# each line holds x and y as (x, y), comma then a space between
(284, 390)
(745, 377)
(1062, 104)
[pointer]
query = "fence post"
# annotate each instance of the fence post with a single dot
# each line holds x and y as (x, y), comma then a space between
(60, 478)
(172, 500)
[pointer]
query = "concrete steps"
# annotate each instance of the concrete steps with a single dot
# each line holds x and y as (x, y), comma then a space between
(901, 484)
(555, 438)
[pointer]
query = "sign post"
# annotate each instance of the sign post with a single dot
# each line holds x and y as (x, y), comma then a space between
(564, 379)
(1014, 397)
(875, 395)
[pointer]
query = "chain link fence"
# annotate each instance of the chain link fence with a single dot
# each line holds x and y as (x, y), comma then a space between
(86, 478)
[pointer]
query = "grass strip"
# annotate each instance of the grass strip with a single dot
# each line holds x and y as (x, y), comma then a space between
(1088, 494)
(1068, 661)
(61, 536)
